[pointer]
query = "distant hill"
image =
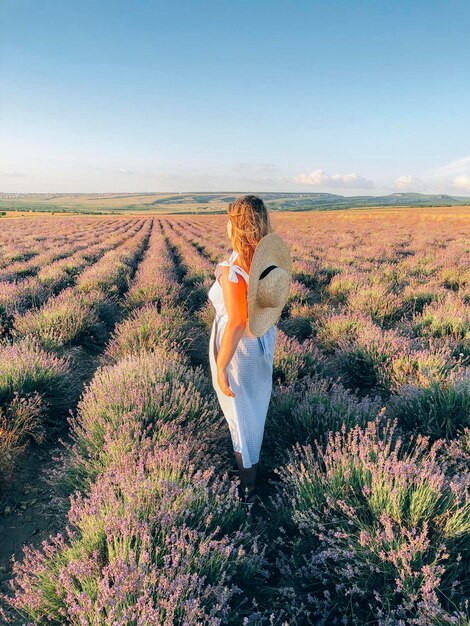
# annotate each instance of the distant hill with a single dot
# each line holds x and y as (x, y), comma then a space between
(210, 202)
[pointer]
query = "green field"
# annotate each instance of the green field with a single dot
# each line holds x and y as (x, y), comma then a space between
(209, 202)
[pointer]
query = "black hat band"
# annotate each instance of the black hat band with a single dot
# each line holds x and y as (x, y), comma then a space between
(266, 271)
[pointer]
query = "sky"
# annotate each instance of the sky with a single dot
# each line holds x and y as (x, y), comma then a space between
(350, 97)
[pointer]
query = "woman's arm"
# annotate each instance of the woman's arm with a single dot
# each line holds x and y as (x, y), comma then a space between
(237, 312)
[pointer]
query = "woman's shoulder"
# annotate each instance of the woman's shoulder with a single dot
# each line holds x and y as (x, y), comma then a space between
(233, 269)
(230, 261)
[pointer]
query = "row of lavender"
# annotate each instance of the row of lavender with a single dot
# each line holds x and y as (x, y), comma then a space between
(20, 291)
(26, 256)
(22, 240)
(155, 534)
(45, 353)
(360, 493)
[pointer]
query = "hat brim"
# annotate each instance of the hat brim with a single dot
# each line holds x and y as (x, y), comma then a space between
(271, 250)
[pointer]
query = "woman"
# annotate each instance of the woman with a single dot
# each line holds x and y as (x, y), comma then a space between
(242, 363)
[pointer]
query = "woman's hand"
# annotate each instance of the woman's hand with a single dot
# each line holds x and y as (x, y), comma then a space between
(222, 381)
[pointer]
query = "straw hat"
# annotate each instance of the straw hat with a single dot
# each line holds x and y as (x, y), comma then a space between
(269, 284)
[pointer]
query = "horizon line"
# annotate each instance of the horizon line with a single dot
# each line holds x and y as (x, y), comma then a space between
(301, 193)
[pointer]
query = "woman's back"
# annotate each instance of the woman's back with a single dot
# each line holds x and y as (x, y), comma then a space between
(249, 372)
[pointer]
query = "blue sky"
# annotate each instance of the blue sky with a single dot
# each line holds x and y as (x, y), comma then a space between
(350, 97)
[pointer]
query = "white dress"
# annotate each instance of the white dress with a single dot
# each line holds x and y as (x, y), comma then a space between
(250, 373)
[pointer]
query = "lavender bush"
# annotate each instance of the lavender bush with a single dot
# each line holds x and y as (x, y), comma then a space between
(449, 316)
(364, 360)
(71, 318)
(122, 400)
(373, 530)
(335, 327)
(20, 421)
(422, 367)
(155, 542)
(25, 368)
(308, 410)
(147, 329)
(439, 409)
(382, 304)
(293, 360)
(341, 286)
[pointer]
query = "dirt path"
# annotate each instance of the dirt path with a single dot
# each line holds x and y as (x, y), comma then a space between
(29, 512)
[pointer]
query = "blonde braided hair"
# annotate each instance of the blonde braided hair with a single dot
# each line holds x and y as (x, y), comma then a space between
(250, 222)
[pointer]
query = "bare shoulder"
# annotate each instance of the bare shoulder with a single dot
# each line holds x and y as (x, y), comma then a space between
(237, 285)
(224, 271)
(222, 274)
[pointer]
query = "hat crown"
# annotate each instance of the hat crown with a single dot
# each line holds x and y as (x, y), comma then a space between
(272, 288)
(268, 288)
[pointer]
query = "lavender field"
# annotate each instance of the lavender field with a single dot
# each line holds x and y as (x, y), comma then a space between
(104, 330)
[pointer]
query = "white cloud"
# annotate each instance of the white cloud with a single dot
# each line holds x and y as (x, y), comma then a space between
(408, 182)
(320, 177)
(438, 180)
(454, 168)
(462, 182)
